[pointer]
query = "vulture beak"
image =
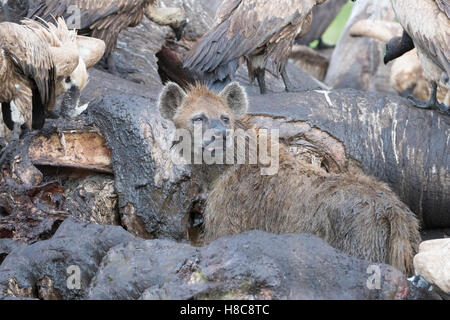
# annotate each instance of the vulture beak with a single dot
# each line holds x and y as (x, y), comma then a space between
(70, 102)
(398, 46)
(179, 31)
(387, 58)
(72, 87)
(90, 51)
(391, 50)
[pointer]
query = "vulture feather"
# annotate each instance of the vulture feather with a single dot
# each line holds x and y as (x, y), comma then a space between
(101, 19)
(27, 76)
(256, 30)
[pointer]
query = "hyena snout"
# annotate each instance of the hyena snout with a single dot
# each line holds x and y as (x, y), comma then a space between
(220, 131)
(216, 135)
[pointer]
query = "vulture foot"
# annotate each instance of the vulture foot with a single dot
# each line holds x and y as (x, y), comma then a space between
(433, 103)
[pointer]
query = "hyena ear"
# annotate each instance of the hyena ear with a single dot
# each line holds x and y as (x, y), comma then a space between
(170, 100)
(236, 97)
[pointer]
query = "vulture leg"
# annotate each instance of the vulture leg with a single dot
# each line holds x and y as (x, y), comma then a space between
(323, 46)
(37, 113)
(433, 103)
(111, 62)
(260, 76)
(6, 113)
(16, 132)
(287, 81)
(16, 128)
(6, 14)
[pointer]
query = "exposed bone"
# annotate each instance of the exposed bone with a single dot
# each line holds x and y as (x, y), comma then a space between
(83, 150)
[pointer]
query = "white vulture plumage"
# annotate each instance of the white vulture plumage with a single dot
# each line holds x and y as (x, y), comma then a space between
(427, 23)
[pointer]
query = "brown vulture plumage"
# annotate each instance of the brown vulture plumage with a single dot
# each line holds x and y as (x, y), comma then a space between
(27, 76)
(427, 22)
(257, 30)
(101, 19)
(38, 62)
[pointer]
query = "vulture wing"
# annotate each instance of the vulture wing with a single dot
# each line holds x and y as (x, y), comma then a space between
(90, 12)
(434, 35)
(241, 28)
(30, 55)
(444, 5)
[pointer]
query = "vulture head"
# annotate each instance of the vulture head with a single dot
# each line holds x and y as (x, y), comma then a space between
(392, 49)
(398, 46)
(173, 17)
(90, 51)
(72, 55)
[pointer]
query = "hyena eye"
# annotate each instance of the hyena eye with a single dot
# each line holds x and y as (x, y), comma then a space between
(225, 119)
(200, 118)
(68, 80)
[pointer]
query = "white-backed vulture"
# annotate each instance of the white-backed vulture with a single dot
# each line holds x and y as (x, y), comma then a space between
(101, 19)
(427, 22)
(257, 30)
(38, 62)
(73, 55)
(406, 71)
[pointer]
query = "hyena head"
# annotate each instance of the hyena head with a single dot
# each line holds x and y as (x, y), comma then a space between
(209, 118)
